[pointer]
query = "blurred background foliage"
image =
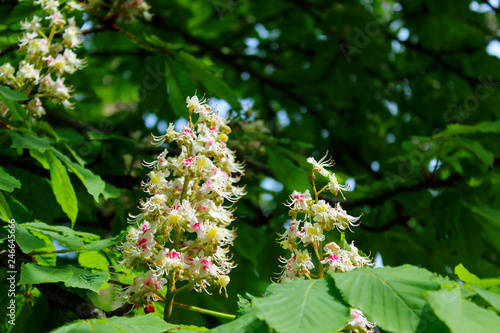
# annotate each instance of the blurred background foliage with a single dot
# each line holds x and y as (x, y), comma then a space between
(403, 94)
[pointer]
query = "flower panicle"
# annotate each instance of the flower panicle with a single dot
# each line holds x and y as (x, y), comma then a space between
(306, 233)
(182, 233)
(41, 74)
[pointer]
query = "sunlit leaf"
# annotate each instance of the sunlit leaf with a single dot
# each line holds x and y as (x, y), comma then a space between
(299, 306)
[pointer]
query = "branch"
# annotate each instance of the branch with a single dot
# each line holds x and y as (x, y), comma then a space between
(8, 49)
(384, 196)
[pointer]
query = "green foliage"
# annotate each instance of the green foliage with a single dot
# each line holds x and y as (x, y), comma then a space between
(62, 187)
(7, 182)
(28, 140)
(393, 297)
(93, 183)
(459, 314)
(70, 275)
(142, 324)
(299, 306)
(287, 172)
(404, 96)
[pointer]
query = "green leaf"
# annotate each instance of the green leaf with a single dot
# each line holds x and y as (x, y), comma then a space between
(457, 129)
(7, 182)
(207, 77)
(459, 314)
(285, 171)
(180, 86)
(488, 214)
(12, 95)
(40, 157)
(391, 297)
(34, 274)
(104, 243)
(490, 297)
(110, 191)
(248, 323)
(22, 11)
(303, 306)
(26, 241)
(476, 148)
(4, 208)
(86, 279)
(62, 187)
(48, 257)
(64, 235)
(27, 140)
(71, 276)
(94, 184)
(464, 275)
(139, 324)
(93, 259)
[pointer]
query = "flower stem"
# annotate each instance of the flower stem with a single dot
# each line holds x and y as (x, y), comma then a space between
(169, 301)
(320, 257)
(205, 311)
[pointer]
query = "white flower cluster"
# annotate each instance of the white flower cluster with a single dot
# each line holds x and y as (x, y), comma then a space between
(317, 216)
(48, 57)
(182, 233)
(129, 11)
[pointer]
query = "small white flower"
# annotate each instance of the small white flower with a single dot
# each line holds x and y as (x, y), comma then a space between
(319, 166)
(72, 5)
(299, 201)
(359, 323)
(35, 107)
(73, 36)
(334, 186)
(32, 25)
(38, 46)
(28, 72)
(6, 72)
(26, 38)
(311, 233)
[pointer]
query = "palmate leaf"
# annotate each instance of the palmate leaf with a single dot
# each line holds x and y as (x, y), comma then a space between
(459, 314)
(139, 324)
(391, 297)
(71, 276)
(303, 306)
